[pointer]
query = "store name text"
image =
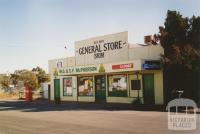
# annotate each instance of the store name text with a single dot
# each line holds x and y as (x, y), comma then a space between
(77, 70)
(98, 49)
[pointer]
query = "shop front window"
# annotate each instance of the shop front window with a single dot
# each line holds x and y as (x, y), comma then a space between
(67, 86)
(85, 86)
(117, 85)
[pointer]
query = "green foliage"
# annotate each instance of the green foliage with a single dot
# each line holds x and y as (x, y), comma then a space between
(29, 78)
(194, 32)
(14, 78)
(180, 38)
(41, 75)
(5, 82)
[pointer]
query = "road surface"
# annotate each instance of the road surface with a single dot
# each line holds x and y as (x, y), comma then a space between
(22, 118)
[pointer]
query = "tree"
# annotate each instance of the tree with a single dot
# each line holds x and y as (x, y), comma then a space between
(29, 78)
(5, 82)
(41, 75)
(14, 79)
(180, 38)
(32, 78)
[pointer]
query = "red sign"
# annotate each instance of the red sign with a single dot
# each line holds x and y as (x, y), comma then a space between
(122, 66)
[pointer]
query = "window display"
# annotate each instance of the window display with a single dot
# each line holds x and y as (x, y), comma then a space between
(85, 86)
(67, 86)
(117, 85)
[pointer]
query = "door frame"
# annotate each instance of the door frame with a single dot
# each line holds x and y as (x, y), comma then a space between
(56, 98)
(95, 78)
(152, 74)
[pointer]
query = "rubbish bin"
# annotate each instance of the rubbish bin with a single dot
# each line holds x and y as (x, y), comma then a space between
(28, 94)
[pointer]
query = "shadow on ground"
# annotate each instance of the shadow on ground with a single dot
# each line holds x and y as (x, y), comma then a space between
(44, 105)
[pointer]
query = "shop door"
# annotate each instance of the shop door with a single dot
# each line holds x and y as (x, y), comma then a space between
(100, 88)
(56, 89)
(148, 89)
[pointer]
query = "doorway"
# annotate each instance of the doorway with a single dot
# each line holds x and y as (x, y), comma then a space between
(57, 90)
(148, 89)
(100, 88)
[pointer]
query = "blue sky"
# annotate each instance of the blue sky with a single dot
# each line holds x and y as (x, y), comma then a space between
(34, 31)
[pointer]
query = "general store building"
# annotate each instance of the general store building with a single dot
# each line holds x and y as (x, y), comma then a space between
(109, 69)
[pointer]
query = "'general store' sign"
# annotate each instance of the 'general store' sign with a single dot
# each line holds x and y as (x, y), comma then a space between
(98, 50)
(102, 49)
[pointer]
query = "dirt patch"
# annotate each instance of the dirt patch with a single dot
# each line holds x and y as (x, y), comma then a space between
(17, 96)
(9, 95)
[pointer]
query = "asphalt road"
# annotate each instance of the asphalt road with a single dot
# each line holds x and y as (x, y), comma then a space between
(43, 118)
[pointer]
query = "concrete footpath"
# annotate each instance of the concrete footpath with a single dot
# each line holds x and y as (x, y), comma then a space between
(40, 117)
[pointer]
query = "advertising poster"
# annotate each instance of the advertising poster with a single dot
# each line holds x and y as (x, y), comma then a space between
(85, 86)
(67, 86)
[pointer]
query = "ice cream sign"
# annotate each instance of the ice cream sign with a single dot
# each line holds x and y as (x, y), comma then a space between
(122, 66)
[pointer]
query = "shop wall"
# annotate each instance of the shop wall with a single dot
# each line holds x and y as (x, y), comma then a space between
(71, 61)
(120, 100)
(86, 99)
(54, 64)
(146, 52)
(60, 63)
(52, 89)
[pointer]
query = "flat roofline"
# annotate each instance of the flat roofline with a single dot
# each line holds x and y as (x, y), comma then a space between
(99, 36)
(62, 58)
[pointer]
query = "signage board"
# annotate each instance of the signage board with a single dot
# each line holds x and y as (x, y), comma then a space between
(101, 68)
(102, 49)
(151, 65)
(77, 70)
(122, 66)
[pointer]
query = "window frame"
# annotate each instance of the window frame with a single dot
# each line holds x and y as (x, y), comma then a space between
(78, 84)
(64, 85)
(117, 94)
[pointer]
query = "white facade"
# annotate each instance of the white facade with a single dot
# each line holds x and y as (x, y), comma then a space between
(111, 57)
